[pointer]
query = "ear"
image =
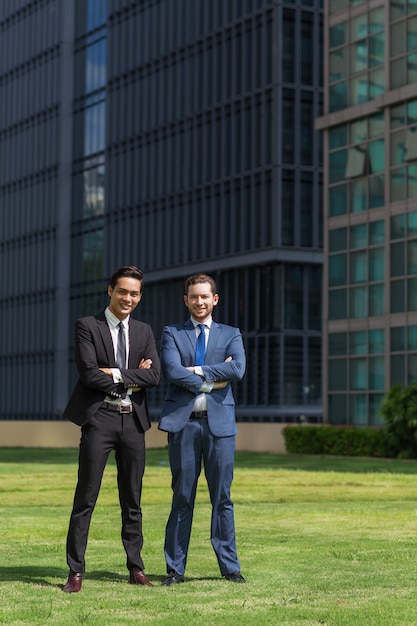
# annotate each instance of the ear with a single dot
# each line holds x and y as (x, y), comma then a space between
(186, 301)
(215, 299)
(109, 290)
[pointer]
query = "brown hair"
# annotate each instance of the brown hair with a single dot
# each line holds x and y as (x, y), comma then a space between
(195, 279)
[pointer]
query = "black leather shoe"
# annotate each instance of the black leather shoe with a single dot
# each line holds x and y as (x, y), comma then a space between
(172, 579)
(236, 577)
(74, 582)
(138, 577)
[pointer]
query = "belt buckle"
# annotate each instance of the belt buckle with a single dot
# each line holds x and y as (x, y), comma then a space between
(125, 408)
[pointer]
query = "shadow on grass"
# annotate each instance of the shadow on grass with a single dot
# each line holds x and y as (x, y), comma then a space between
(42, 576)
(158, 457)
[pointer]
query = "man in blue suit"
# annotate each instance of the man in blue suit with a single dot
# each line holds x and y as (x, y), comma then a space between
(200, 358)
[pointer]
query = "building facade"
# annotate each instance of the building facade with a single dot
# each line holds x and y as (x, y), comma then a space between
(177, 135)
(370, 205)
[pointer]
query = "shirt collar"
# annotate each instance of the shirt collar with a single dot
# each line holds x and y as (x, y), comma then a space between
(207, 322)
(114, 321)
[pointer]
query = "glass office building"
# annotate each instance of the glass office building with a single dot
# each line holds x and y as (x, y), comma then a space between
(177, 135)
(370, 205)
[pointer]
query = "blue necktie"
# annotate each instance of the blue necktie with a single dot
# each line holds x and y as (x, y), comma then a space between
(121, 348)
(200, 347)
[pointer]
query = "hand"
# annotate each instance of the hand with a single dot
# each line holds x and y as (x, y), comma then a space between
(106, 370)
(145, 364)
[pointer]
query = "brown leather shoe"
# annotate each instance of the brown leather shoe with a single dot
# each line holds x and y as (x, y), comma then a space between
(74, 582)
(138, 578)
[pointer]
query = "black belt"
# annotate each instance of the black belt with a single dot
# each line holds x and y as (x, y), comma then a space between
(198, 415)
(120, 408)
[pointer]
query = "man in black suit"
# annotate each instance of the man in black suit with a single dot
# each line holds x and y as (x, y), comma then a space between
(117, 361)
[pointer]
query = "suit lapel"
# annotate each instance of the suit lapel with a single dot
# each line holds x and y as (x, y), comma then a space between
(213, 340)
(104, 331)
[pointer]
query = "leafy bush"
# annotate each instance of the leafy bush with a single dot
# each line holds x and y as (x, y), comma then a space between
(340, 440)
(399, 410)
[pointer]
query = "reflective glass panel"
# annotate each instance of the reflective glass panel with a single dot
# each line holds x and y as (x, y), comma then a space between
(376, 83)
(376, 341)
(338, 137)
(359, 27)
(397, 226)
(338, 304)
(377, 155)
(376, 50)
(412, 181)
(358, 342)
(337, 200)
(397, 296)
(398, 147)
(376, 191)
(338, 96)
(397, 369)
(358, 411)
(412, 257)
(412, 68)
(376, 299)
(398, 73)
(398, 184)
(337, 165)
(412, 368)
(358, 374)
(358, 267)
(412, 294)
(397, 339)
(397, 259)
(337, 344)
(376, 373)
(412, 338)
(338, 239)
(338, 64)
(358, 236)
(359, 90)
(359, 56)
(337, 270)
(337, 375)
(376, 232)
(358, 302)
(337, 35)
(376, 264)
(358, 196)
(375, 402)
(337, 408)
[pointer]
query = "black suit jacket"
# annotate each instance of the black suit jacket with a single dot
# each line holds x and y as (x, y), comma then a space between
(94, 349)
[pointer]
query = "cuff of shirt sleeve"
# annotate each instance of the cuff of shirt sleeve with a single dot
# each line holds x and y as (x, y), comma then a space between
(206, 387)
(117, 375)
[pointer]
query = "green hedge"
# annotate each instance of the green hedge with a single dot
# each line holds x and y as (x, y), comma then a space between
(340, 440)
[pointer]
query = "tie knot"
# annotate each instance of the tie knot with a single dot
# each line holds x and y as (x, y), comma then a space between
(202, 327)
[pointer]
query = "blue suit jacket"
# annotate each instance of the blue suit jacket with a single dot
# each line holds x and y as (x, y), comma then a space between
(177, 353)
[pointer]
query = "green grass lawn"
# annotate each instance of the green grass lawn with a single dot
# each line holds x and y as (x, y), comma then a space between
(321, 540)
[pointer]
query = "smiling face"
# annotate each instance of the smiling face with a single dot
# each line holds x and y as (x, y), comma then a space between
(124, 296)
(200, 301)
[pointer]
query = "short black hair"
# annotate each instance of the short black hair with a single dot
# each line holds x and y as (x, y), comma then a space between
(128, 271)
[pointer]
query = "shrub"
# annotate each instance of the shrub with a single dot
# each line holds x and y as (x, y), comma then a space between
(399, 410)
(339, 440)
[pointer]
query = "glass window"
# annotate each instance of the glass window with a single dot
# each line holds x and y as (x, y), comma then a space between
(376, 341)
(358, 196)
(338, 200)
(338, 375)
(375, 402)
(398, 184)
(338, 137)
(359, 27)
(358, 409)
(397, 339)
(337, 270)
(376, 264)
(359, 56)
(397, 259)
(337, 344)
(377, 155)
(398, 226)
(338, 96)
(337, 165)
(337, 35)
(358, 267)
(358, 374)
(293, 297)
(376, 50)
(358, 236)
(358, 342)
(338, 239)
(412, 338)
(376, 232)
(411, 369)
(376, 83)
(397, 296)
(412, 294)
(338, 64)
(358, 302)
(397, 369)
(337, 408)
(376, 373)
(376, 299)
(338, 304)
(376, 191)
(412, 257)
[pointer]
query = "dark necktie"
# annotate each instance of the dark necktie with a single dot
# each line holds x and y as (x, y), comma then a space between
(200, 347)
(121, 348)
